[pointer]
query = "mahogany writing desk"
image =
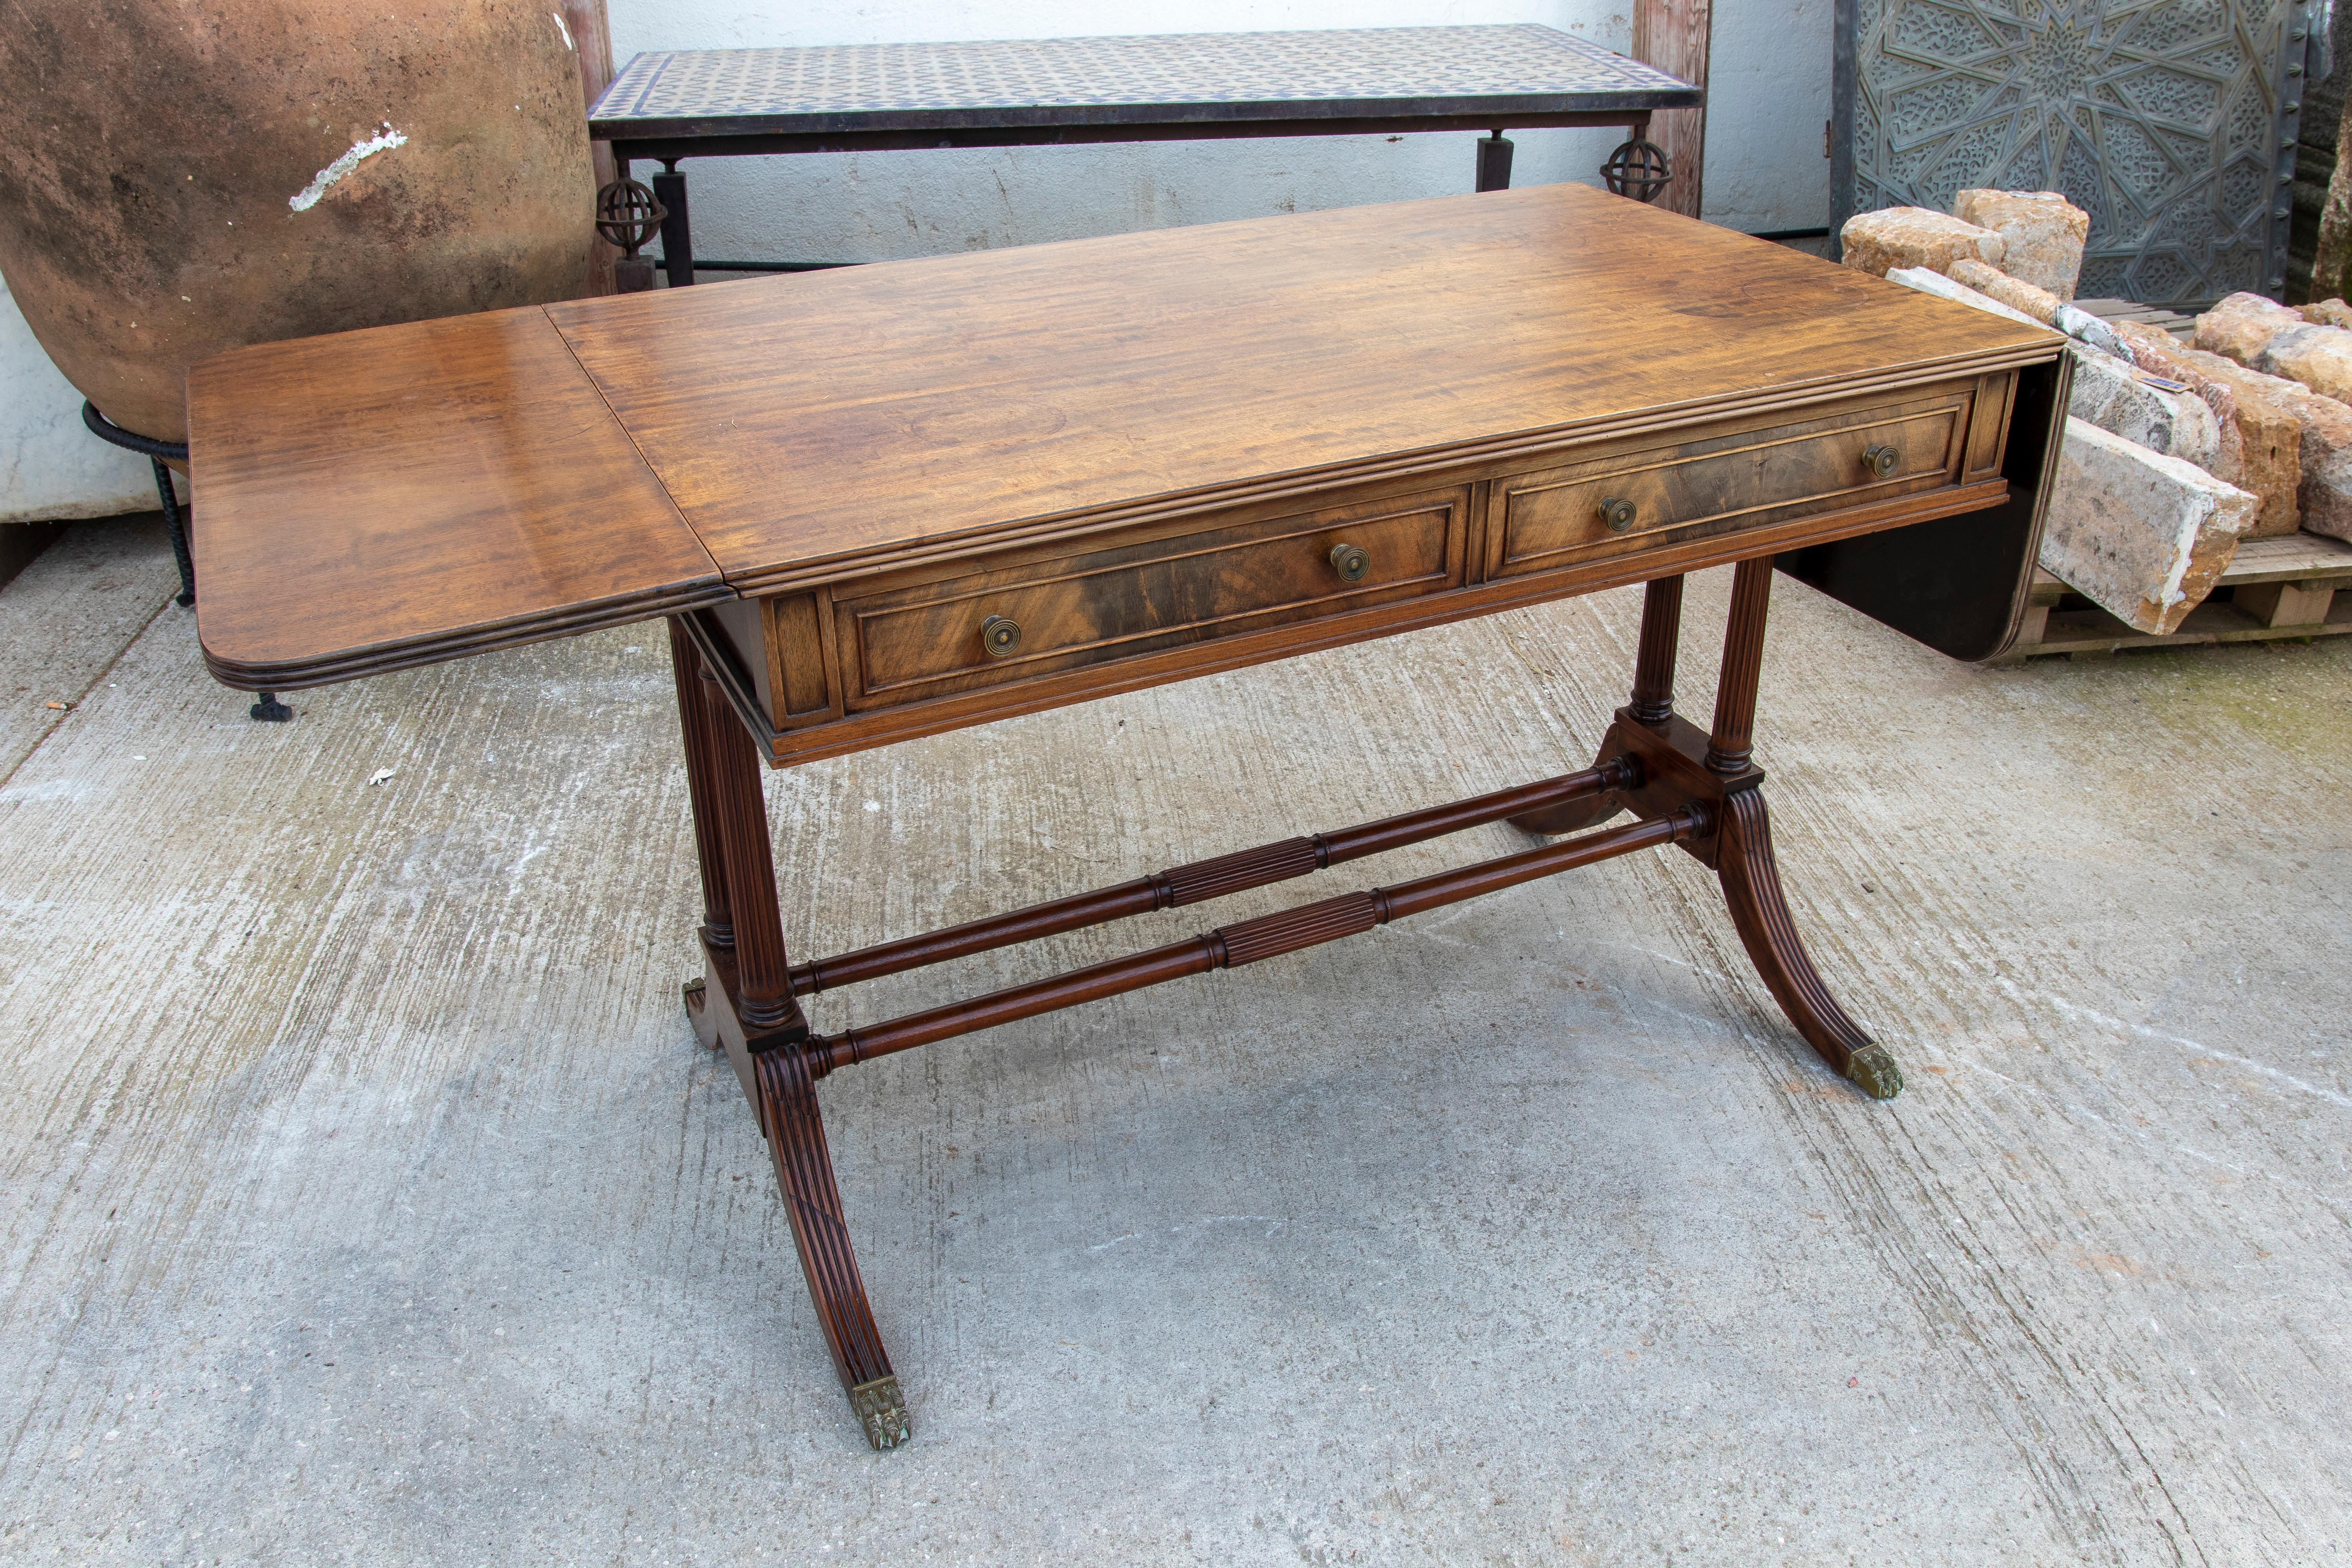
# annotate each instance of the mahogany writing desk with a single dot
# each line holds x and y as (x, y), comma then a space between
(927, 494)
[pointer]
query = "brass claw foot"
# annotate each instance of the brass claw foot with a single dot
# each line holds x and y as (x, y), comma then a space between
(1874, 1071)
(881, 1412)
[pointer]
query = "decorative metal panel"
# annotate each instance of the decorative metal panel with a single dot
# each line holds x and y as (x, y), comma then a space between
(1173, 78)
(2171, 122)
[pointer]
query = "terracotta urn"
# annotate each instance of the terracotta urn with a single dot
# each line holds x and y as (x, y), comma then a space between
(178, 177)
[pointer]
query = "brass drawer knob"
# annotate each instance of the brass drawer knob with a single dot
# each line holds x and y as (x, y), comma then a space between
(1882, 460)
(1352, 561)
(1001, 635)
(1618, 513)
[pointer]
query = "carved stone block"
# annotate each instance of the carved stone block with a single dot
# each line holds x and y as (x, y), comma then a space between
(1880, 241)
(2014, 293)
(2039, 303)
(2324, 495)
(2159, 353)
(1928, 280)
(2041, 234)
(2113, 395)
(2270, 432)
(2141, 535)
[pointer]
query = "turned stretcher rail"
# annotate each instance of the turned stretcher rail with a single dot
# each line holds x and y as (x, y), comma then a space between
(1228, 947)
(1205, 879)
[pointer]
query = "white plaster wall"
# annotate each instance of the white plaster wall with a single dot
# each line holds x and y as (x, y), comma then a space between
(49, 466)
(1765, 168)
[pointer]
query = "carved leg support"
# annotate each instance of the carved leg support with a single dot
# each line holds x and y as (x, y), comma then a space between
(788, 1115)
(744, 1004)
(1678, 765)
(718, 924)
(1744, 863)
(1752, 884)
(1654, 703)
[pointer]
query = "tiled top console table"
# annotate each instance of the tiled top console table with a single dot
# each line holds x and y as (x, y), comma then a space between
(714, 103)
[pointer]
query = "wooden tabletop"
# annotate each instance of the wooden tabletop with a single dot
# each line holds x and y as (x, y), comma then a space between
(402, 494)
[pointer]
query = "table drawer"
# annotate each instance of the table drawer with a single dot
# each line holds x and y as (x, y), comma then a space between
(1039, 616)
(1632, 500)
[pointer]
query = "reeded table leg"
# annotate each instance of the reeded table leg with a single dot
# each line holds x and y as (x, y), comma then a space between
(1744, 863)
(745, 1004)
(1654, 703)
(1680, 766)
(718, 924)
(1752, 884)
(788, 1114)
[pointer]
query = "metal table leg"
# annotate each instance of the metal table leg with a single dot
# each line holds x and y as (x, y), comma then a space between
(268, 709)
(678, 234)
(1494, 163)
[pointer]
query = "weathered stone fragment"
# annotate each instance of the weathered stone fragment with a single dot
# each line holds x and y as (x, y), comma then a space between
(2158, 353)
(2090, 330)
(2319, 357)
(2042, 234)
(2325, 495)
(2081, 324)
(2039, 303)
(2272, 463)
(2014, 293)
(2112, 395)
(2270, 460)
(2243, 325)
(2328, 314)
(1927, 280)
(1882, 241)
(2271, 338)
(2141, 535)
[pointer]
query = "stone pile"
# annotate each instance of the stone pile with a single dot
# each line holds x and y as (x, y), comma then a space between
(2279, 342)
(2298, 365)
(2269, 428)
(2173, 452)
(2034, 236)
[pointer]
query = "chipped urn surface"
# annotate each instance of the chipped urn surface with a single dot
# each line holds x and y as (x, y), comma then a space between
(178, 179)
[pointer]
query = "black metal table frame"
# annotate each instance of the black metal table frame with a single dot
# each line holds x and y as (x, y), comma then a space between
(668, 142)
(160, 454)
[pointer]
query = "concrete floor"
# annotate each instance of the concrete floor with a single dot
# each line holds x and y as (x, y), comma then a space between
(367, 1199)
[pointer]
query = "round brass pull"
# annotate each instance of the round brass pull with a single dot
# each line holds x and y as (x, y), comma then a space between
(1352, 561)
(1618, 513)
(1882, 460)
(1001, 635)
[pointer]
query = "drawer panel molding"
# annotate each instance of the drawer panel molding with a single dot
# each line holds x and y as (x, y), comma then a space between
(1623, 502)
(1032, 619)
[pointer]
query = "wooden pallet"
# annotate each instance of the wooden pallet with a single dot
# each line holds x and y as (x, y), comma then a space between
(2274, 589)
(2173, 321)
